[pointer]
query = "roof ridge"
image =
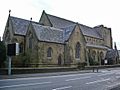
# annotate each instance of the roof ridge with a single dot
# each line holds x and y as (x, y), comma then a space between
(61, 18)
(86, 26)
(23, 19)
(19, 18)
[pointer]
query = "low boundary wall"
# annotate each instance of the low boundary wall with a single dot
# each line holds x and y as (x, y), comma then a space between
(4, 71)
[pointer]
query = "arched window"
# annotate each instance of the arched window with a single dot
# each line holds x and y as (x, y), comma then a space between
(59, 59)
(102, 58)
(77, 50)
(49, 52)
(98, 56)
(30, 42)
(101, 55)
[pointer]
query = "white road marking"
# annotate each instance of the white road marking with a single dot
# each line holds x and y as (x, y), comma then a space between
(113, 85)
(29, 78)
(61, 88)
(118, 77)
(103, 80)
(19, 85)
(103, 71)
(77, 78)
(105, 74)
(118, 73)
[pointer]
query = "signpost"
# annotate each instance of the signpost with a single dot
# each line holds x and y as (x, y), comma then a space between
(9, 65)
(12, 50)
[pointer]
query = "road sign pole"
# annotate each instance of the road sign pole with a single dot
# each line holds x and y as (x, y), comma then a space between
(9, 65)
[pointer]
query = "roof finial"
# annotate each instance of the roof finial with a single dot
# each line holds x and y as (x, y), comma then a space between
(31, 19)
(9, 12)
(44, 11)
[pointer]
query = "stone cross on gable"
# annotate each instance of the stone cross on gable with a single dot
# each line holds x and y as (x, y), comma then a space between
(9, 12)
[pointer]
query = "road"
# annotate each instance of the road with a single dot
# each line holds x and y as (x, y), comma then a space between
(103, 80)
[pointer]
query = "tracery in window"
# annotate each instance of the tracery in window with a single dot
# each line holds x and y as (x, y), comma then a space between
(77, 50)
(49, 52)
(30, 41)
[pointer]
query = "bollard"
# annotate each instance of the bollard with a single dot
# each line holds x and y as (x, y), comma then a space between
(97, 69)
(93, 69)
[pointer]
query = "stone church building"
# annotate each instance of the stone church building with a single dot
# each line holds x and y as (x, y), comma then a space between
(55, 40)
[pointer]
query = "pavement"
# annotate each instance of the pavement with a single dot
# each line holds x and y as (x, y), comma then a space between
(13, 76)
(43, 74)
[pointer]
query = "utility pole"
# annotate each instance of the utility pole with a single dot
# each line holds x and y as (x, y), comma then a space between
(9, 65)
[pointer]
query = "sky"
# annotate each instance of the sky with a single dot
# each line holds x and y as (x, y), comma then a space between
(87, 12)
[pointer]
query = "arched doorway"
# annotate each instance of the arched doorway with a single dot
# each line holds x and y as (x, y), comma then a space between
(77, 51)
(98, 57)
(59, 59)
(101, 58)
(94, 55)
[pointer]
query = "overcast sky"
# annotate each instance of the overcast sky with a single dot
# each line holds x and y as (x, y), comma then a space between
(87, 12)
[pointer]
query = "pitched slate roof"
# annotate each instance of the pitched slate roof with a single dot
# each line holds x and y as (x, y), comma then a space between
(59, 33)
(49, 34)
(44, 33)
(67, 31)
(61, 23)
(19, 25)
(88, 31)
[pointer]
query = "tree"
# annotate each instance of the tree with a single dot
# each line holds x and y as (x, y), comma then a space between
(2, 54)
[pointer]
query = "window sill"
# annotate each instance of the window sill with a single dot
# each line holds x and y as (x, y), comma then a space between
(49, 57)
(78, 59)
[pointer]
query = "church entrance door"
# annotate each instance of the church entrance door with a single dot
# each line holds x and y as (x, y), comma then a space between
(59, 60)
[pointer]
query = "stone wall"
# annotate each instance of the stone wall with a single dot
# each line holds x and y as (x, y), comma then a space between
(57, 50)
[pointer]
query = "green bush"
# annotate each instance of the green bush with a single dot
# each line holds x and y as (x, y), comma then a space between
(81, 65)
(2, 54)
(96, 63)
(21, 60)
(93, 62)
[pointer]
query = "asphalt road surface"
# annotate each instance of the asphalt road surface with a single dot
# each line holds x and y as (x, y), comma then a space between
(103, 80)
